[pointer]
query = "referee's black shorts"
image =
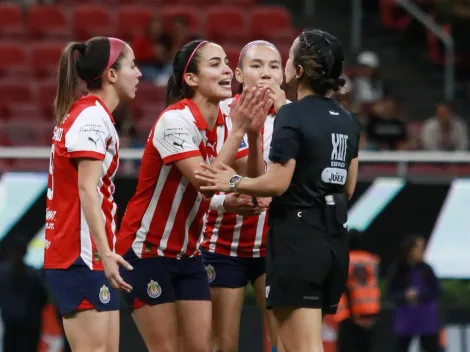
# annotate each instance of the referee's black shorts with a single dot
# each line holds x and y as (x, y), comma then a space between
(307, 260)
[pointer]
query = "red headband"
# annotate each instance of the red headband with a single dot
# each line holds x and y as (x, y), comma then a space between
(191, 57)
(250, 44)
(115, 48)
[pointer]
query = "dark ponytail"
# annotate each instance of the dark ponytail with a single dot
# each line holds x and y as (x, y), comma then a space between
(186, 61)
(321, 56)
(89, 66)
(67, 81)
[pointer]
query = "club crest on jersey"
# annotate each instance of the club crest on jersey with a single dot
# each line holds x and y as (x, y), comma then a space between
(105, 295)
(154, 290)
(210, 271)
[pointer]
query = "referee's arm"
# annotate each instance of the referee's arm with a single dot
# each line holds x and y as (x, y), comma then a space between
(283, 154)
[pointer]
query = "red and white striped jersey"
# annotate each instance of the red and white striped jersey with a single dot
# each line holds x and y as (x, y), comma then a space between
(86, 132)
(164, 218)
(236, 235)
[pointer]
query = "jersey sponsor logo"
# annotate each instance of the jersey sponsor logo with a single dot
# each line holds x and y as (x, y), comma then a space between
(334, 175)
(340, 146)
(92, 128)
(210, 271)
(105, 295)
(212, 146)
(94, 141)
(154, 290)
(175, 136)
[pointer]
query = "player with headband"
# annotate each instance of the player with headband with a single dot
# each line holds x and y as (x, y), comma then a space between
(79, 254)
(161, 229)
(234, 245)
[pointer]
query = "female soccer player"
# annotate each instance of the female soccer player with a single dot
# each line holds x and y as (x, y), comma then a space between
(313, 169)
(234, 248)
(161, 229)
(80, 217)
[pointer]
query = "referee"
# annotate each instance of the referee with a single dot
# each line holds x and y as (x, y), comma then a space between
(312, 173)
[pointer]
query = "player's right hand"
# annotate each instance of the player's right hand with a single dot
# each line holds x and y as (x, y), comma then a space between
(111, 264)
(242, 204)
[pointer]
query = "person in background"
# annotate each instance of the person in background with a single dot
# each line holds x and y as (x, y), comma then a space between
(444, 131)
(414, 289)
(152, 52)
(23, 296)
(385, 131)
(360, 304)
(368, 86)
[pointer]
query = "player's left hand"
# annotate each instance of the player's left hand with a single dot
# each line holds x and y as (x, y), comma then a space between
(216, 178)
(276, 94)
(260, 112)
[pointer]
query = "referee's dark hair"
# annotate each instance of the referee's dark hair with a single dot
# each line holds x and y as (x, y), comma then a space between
(321, 56)
(186, 61)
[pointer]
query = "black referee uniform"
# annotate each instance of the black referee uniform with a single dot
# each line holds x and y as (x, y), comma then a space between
(307, 247)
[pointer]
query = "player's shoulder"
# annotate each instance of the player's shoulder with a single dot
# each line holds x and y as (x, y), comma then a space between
(224, 106)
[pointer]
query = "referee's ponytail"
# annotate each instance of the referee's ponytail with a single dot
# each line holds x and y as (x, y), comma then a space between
(95, 56)
(186, 61)
(321, 56)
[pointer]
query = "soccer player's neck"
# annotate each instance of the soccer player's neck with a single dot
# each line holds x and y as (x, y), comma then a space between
(107, 96)
(209, 109)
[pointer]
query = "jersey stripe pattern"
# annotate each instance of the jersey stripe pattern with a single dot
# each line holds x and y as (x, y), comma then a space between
(87, 132)
(164, 218)
(236, 235)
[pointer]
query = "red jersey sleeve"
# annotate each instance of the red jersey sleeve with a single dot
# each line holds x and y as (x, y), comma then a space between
(88, 135)
(175, 137)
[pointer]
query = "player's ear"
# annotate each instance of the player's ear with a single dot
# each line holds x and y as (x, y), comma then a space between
(191, 79)
(239, 75)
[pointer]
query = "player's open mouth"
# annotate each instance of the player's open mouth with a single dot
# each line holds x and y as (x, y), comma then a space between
(225, 83)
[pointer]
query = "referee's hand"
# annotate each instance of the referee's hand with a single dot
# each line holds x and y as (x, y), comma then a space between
(242, 204)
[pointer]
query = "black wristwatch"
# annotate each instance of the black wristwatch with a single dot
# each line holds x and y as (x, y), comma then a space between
(234, 181)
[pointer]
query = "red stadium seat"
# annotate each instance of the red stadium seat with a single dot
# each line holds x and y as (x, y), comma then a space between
(389, 18)
(227, 23)
(233, 53)
(191, 14)
(45, 58)
(48, 21)
(26, 165)
(243, 3)
(13, 93)
(26, 111)
(271, 23)
(11, 21)
(132, 21)
(23, 133)
(190, 2)
(45, 100)
(148, 100)
(14, 59)
(90, 21)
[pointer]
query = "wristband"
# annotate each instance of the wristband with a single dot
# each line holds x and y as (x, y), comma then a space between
(217, 202)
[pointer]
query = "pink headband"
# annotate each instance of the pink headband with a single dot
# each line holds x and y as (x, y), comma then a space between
(191, 57)
(115, 48)
(250, 44)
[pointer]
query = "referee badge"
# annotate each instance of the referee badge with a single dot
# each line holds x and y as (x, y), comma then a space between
(105, 295)
(154, 290)
(210, 273)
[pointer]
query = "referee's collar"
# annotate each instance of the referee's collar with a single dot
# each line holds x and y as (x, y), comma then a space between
(199, 118)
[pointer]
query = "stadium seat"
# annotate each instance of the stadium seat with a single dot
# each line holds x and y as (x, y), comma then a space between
(14, 59)
(22, 133)
(11, 21)
(233, 53)
(191, 14)
(244, 3)
(45, 99)
(227, 23)
(190, 2)
(91, 20)
(148, 101)
(48, 21)
(271, 23)
(13, 93)
(45, 58)
(389, 18)
(26, 111)
(26, 165)
(132, 20)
